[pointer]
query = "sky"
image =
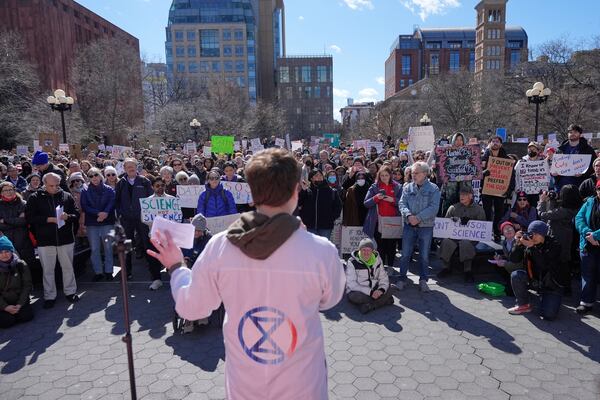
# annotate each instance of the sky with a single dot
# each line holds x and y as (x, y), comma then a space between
(359, 33)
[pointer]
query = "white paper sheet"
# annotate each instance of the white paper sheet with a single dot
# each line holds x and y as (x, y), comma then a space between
(182, 234)
(59, 213)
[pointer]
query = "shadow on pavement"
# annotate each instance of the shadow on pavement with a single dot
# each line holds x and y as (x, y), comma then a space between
(203, 348)
(387, 316)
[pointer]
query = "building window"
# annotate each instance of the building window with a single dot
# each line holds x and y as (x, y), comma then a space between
(515, 58)
(227, 51)
(317, 92)
(321, 73)
(494, 16)
(298, 110)
(306, 74)
(216, 66)
(238, 35)
(239, 51)
(240, 66)
(328, 93)
(204, 66)
(470, 44)
(191, 51)
(180, 67)
(492, 64)
(493, 51)
(193, 67)
(284, 74)
(455, 45)
(228, 66)
(241, 81)
(401, 83)
(289, 93)
(454, 61)
(191, 36)
(308, 92)
(434, 65)
(312, 126)
(209, 43)
(179, 36)
(515, 44)
(410, 82)
(493, 33)
(433, 45)
(471, 61)
(406, 61)
(226, 35)
(180, 51)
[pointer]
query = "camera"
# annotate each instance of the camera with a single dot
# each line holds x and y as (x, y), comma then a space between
(552, 195)
(526, 236)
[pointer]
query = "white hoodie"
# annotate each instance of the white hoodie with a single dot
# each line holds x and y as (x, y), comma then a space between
(273, 335)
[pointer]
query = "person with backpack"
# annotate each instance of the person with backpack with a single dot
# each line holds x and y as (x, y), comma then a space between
(215, 201)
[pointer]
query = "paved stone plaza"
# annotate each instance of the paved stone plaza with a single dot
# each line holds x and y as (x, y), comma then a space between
(452, 343)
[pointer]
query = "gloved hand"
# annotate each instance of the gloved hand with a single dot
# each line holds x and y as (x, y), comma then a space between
(486, 172)
(464, 220)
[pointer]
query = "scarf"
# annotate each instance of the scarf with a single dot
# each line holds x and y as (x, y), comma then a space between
(10, 265)
(369, 262)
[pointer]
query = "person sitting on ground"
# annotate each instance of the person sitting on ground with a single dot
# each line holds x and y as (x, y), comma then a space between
(367, 284)
(463, 211)
(521, 214)
(512, 255)
(544, 272)
(15, 286)
(201, 237)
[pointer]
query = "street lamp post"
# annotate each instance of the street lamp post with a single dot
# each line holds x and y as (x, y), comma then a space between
(425, 120)
(61, 103)
(195, 125)
(537, 95)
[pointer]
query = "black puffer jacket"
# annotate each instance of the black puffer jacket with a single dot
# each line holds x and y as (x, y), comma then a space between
(319, 207)
(15, 284)
(545, 266)
(42, 205)
(14, 224)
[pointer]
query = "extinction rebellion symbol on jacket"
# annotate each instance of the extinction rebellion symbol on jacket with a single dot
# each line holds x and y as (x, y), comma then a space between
(267, 335)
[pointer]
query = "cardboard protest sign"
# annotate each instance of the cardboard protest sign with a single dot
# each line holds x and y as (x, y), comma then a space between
(222, 144)
(479, 231)
(570, 164)
(421, 138)
(532, 176)
(498, 181)
(391, 227)
(255, 142)
(63, 147)
(351, 237)
(119, 151)
(75, 151)
(165, 207)
(49, 141)
(92, 147)
(280, 142)
(361, 144)
(457, 164)
(188, 194)
(21, 150)
(220, 224)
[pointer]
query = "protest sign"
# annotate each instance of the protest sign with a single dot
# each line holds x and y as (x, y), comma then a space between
(497, 182)
(521, 140)
(49, 141)
(377, 145)
(207, 151)
(92, 147)
(288, 142)
(480, 231)
(75, 151)
(21, 150)
(334, 139)
(255, 142)
(457, 164)
(182, 235)
(391, 227)
(36, 146)
(314, 148)
(361, 144)
(351, 237)
(220, 224)
(280, 143)
(473, 140)
(165, 207)
(120, 167)
(101, 147)
(222, 144)
(476, 185)
(421, 138)
(237, 145)
(188, 194)
(297, 145)
(63, 147)
(552, 137)
(190, 148)
(540, 139)
(109, 148)
(502, 133)
(570, 164)
(532, 176)
(588, 135)
(120, 152)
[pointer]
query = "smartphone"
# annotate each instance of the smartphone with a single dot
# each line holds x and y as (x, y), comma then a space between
(382, 192)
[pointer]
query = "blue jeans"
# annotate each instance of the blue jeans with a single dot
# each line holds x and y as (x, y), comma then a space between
(415, 235)
(590, 273)
(550, 301)
(326, 233)
(96, 235)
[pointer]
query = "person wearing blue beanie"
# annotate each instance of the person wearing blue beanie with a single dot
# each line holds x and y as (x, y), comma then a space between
(6, 244)
(15, 279)
(43, 165)
(39, 158)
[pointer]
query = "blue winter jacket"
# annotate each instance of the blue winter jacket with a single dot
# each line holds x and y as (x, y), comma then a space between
(20, 184)
(583, 222)
(423, 202)
(372, 216)
(218, 203)
(96, 199)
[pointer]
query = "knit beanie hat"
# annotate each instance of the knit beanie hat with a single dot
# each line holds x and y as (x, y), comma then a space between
(366, 242)
(538, 227)
(40, 158)
(6, 244)
(199, 222)
(193, 180)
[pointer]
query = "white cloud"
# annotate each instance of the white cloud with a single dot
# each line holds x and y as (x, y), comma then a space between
(335, 48)
(368, 92)
(380, 80)
(341, 93)
(301, 18)
(359, 4)
(425, 8)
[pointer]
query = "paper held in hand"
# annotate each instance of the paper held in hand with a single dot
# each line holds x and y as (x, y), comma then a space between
(181, 234)
(59, 213)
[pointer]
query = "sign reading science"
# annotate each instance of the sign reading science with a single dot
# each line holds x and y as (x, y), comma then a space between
(477, 231)
(165, 207)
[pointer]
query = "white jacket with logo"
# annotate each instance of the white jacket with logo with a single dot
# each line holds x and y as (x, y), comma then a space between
(273, 335)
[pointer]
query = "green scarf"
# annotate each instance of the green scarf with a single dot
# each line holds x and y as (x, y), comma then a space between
(370, 262)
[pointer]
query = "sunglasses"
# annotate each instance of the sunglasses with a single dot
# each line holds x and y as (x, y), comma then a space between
(111, 175)
(522, 199)
(93, 176)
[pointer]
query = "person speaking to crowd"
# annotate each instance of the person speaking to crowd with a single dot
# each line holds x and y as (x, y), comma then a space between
(273, 335)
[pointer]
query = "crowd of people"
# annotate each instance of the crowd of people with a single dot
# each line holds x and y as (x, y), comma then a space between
(50, 202)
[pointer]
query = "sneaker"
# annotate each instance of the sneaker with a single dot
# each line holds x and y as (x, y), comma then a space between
(156, 284)
(469, 278)
(48, 304)
(109, 276)
(424, 287)
(97, 278)
(444, 273)
(72, 298)
(366, 308)
(188, 327)
(583, 309)
(518, 310)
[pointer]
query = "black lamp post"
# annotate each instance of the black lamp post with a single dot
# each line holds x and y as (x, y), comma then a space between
(538, 95)
(61, 103)
(195, 125)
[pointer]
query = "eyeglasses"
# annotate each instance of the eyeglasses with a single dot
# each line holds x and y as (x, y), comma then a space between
(93, 176)
(177, 165)
(111, 175)
(522, 199)
(8, 191)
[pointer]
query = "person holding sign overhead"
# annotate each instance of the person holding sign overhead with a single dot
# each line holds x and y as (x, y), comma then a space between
(576, 144)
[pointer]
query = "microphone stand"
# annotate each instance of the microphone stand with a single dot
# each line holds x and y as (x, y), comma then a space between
(122, 245)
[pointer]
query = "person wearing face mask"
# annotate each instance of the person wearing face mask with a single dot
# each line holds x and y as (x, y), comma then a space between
(332, 180)
(355, 211)
(319, 205)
